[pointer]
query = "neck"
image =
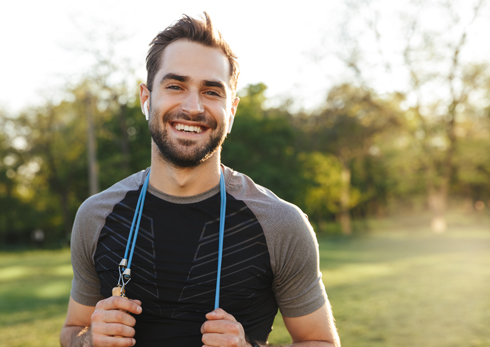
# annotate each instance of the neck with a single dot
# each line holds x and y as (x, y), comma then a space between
(178, 181)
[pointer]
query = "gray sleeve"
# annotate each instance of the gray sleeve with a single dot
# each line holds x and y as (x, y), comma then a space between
(89, 221)
(292, 245)
(86, 285)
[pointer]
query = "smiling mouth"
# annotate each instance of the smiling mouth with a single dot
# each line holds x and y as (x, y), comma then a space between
(194, 129)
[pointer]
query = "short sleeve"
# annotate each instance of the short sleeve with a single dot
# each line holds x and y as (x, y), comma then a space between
(297, 284)
(89, 221)
(85, 286)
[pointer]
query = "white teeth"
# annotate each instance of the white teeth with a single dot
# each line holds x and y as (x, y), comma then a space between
(188, 128)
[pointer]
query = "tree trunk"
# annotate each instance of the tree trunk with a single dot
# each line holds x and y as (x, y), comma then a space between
(344, 215)
(93, 170)
(439, 194)
(9, 223)
(67, 221)
(437, 200)
(124, 138)
(57, 183)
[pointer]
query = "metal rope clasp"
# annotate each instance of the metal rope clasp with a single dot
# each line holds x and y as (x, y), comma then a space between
(124, 278)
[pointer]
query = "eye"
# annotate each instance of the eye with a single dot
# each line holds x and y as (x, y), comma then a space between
(212, 93)
(173, 87)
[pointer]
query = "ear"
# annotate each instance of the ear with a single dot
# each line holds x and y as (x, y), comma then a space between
(234, 107)
(144, 99)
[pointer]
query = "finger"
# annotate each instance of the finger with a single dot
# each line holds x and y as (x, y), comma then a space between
(221, 327)
(103, 341)
(211, 339)
(112, 329)
(137, 302)
(219, 313)
(220, 340)
(113, 316)
(117, 302)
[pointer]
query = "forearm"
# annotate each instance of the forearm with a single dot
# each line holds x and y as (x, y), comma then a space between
(75, 336)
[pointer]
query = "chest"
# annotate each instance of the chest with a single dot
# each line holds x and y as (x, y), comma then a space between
(174, 267)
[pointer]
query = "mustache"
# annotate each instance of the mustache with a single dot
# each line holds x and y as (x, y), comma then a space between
(200, 118)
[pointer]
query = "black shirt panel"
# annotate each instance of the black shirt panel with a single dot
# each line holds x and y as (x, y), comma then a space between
(174, 267)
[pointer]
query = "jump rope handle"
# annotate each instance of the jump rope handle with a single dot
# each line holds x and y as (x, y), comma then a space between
(118, 291)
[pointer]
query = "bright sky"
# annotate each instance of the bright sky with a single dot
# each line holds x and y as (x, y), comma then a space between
(272, 39)
(275, 42)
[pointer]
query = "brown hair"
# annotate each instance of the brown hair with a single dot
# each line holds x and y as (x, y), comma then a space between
(195, 30)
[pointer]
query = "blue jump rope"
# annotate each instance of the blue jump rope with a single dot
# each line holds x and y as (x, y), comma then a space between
(125, 265)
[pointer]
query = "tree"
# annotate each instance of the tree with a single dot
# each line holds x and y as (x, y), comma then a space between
(107, 88)
(438, 81)
(94, 137)
(15, 221)
(346, 128)
(262, 145)
(322, 193)
(56, 141)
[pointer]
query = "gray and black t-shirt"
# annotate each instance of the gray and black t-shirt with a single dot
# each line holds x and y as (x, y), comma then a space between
(270, 258)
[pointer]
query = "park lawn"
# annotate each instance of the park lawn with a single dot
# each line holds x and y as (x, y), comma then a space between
(410, 290)
(34, 292)
(393, 289)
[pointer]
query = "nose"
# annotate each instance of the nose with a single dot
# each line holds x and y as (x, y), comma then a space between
(192, 103)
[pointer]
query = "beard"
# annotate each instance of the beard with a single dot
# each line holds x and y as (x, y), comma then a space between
(186, 153)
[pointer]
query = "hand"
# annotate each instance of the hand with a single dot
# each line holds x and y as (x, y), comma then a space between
(221, 329)
(111, 323)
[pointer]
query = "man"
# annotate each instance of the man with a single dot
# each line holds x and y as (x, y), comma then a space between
(270, 255)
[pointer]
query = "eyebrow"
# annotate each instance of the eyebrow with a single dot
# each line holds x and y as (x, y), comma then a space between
(173, 76)
(180, 78)
(217, 84)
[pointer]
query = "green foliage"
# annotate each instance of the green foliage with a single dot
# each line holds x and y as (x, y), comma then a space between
(322, 194)
(348, 129)
(350, 120)
(473, 170)
(262, 145)
(357, 156)
(125, 131)
(46, 176)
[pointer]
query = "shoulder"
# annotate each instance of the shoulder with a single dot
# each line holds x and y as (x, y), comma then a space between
(262, 200)
(292, 245)
(271, 211)
(101, 202)
(92, 213)
(89, 221)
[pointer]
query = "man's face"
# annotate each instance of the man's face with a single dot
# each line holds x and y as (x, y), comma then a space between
(191, 103)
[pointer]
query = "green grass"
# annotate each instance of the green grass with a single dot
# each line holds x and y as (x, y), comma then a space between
(403, 288)
(408, 287)
(422, 290)
(34, 291)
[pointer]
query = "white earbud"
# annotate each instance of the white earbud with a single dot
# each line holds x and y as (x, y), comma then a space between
(146, 110)
(231, 124)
